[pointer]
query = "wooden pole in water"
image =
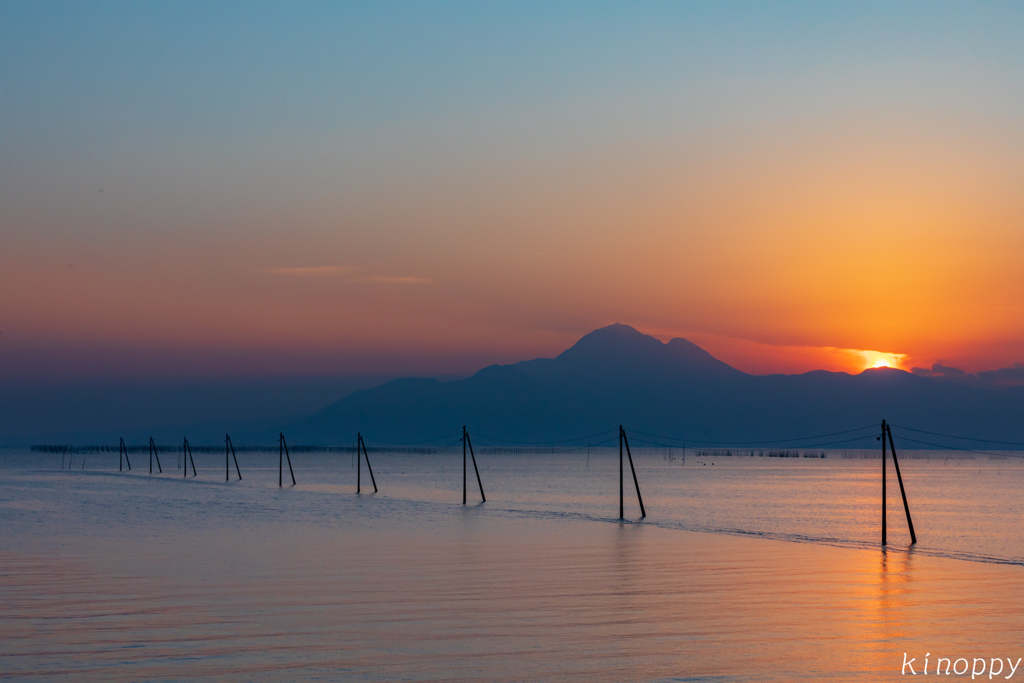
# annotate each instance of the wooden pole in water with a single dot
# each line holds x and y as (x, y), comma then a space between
(469, 442)
(186, 447)
(234, 457)
(124, 452)
(359, 461)
(154, 451)
(643, 513)
(227, 464)
(621, 515)
(366, 455)
(288, 457)
(280, 459)
(906, 506)
(883, 482)
(463, 464)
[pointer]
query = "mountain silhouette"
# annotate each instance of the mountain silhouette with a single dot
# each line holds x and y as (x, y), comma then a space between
(617, 375)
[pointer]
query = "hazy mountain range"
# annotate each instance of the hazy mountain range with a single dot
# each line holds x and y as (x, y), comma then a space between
(616, 375)
(612, 376)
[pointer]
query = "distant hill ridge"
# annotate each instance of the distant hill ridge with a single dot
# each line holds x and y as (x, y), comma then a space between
(617, 375)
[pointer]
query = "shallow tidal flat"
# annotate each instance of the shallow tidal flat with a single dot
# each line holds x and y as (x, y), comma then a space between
(747, 569)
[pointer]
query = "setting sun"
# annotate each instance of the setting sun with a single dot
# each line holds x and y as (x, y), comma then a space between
(882, 359)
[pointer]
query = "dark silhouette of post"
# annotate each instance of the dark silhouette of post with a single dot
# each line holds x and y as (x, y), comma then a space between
(153, 451)
(621, 515)
(643, 512)
(122, 453)
(883, 482)
(463, 464)
(360, 444)
(282, 453)
(469, 442)
(227, 465)
(185, 448)
(906, 506)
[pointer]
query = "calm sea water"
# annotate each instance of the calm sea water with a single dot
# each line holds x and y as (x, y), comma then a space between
(745, 569)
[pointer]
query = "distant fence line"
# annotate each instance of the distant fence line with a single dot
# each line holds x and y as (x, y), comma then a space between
(412, 450)
(757, 453)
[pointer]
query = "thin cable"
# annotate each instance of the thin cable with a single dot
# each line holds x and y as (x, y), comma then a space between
(750, 443)
(804, 446)
(964, 438)
(411, 443)
(578, 438)
(964, 450)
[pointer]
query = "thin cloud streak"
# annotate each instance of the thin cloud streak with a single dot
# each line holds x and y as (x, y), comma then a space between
(351, 272)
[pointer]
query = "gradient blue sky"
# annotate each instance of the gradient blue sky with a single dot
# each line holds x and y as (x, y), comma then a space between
(201, 189)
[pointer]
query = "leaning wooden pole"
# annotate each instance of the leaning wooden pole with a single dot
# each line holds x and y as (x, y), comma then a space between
(288, 458)
(463, 464)
(359, 461)
(906, 506)
(235, 458)
(184, 469)
(621, 515)
(228, 444)
(153, 450)
(123, 453)
(369, 469)
(280, 459)
(883, 482)
(469, 442)
(643, 512)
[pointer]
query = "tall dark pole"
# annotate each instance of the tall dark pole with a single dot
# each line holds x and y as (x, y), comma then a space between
(469, 442)
(124, 451)
(643, 513)
(234, 457)
(227, 463)
(154, 451)
(883, 482)
(906, 506)
(184, 469)
(280, 459)
(621, 515)
(369, 469)
(359, 461)
(288, 458)
(463, 464)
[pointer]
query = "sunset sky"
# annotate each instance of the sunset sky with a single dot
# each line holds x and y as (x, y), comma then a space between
(232, 189)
